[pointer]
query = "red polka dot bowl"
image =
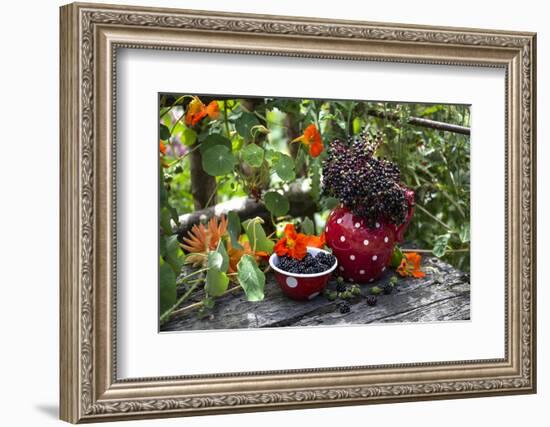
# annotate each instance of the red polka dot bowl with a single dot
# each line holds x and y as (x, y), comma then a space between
(301, 287)
(363, 252)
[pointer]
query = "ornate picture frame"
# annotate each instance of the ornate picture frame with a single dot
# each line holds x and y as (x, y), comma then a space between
(90, 37)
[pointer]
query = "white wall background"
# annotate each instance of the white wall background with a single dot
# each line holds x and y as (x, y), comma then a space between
(29, 170)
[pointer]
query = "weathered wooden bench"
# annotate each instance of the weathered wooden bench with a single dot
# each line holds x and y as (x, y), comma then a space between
(444, 294)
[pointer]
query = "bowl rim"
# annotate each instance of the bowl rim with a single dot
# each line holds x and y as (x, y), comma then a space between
(303, 275)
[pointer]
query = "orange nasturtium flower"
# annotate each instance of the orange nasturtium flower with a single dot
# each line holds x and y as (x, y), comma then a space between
(295, 244)
(162, 148)
(201, 239)
(236, 254)
(196, 111)
(410, 266)
(312, 138)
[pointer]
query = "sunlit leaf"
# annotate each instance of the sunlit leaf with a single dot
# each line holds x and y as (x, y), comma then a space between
(253, 155)
(251, 278)
(284, 166)
(256, 235)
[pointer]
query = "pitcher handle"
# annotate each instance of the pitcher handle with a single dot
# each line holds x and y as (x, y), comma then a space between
(400, 230)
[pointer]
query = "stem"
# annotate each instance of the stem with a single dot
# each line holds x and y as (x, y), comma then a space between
(436, 219)
(225, 119)
(429, 251)
(181, 98)
(191, 275)
(168, 313)
(200, 303)
(179, 159)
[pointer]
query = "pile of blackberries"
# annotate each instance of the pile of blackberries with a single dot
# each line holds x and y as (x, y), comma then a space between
(308, 265)
(368, 186)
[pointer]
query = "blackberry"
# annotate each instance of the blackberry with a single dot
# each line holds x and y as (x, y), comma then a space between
(341, 287)
(387, 288)
(372, 300)
(345, 308)
(349, 165)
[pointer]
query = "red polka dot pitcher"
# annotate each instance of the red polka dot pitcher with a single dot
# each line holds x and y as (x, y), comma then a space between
(363, 252)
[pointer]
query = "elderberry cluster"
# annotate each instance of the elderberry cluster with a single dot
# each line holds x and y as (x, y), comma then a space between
(368, 186)
(308, 265)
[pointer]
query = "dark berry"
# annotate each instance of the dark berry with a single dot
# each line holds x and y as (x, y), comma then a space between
(341, 287)
(372, 300)
(345, 308)
(349, 165)
(387, 288)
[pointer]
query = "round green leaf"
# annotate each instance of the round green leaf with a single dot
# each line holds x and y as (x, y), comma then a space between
(253, 155)
(284, 166)
(234, 229)
(167, 287)
(307, 227)
(216, 282)
(245, 123)
(251, 278)
(213, 140)
(164, 132)
(218, 160)
(188, 137)
(276, 203)
(215, 260)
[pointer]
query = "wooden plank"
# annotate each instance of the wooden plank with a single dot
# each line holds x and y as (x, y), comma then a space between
(444, 294)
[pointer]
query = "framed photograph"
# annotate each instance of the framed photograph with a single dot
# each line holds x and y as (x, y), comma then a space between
(267, 212)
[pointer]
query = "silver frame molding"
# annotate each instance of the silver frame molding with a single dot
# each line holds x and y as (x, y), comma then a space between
(90, 37)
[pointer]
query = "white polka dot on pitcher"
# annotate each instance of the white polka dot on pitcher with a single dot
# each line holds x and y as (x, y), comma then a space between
(386, 240)
(361, 271)
(339, 221)
(366, 242)
(357, 225)
(377, 225)
(352, 257)
(342, 239)
(374, 257)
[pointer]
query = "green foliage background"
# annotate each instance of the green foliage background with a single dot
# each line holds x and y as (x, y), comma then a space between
(435, 163)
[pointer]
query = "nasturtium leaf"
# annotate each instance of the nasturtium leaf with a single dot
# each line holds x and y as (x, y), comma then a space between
(440, 245)
(234, 228)
(225, 257)
(256, 235)
(173, 254)
(218, 160)
(329, 202)
(163, 194)
(216, 281)
(167, 287)
(464, 233)
(251, 278)
(276, 203)
(188, 137)
(272, 156)
(245, 123)
(215, 260)
(396, 257)
(307, 226)
(164, 132)
(284, 167)
(253, 155)
(165, 223)
(213, 140)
